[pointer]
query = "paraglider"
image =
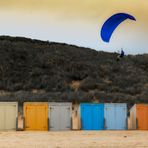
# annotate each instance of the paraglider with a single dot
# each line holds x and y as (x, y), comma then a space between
(112, 23)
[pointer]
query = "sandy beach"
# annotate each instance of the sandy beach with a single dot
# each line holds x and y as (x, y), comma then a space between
(74, 139)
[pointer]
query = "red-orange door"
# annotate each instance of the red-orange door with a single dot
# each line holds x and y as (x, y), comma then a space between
(142, 117)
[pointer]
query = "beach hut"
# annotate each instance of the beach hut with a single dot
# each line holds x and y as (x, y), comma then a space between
(139, 117)
(92, 116)
(60, 116)
(115, 116)
(8, 115)
(36, 116)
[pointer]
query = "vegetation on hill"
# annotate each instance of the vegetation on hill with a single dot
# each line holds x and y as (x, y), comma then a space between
(33, 70)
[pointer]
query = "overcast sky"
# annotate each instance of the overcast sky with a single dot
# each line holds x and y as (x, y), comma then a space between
(77, 22)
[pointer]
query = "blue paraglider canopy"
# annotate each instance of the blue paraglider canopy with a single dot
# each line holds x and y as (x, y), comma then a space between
(112, 23)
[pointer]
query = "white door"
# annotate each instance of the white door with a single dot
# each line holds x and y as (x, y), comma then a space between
(8, 113)
(10, 117)
(59, 117)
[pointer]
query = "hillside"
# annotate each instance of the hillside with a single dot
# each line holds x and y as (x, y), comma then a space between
(33, 70)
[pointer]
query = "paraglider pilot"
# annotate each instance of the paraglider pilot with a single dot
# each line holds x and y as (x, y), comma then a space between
(122, 54)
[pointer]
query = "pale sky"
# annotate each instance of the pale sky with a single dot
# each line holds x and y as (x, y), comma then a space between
(77, 22)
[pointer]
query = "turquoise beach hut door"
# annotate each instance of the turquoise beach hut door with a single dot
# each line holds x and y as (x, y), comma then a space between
(92, 116)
